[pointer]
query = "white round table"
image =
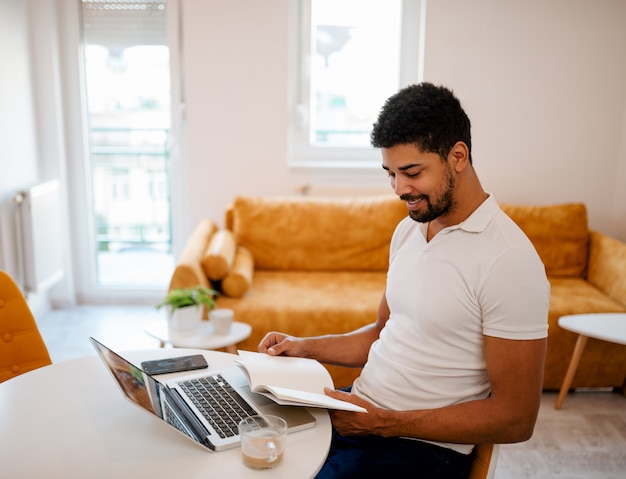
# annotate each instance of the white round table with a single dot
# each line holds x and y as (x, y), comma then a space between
(202, 338)
(70, 420)
(605, 326)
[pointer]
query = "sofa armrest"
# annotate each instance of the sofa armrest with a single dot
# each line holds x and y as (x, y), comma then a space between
(607, 266)
(189, 270)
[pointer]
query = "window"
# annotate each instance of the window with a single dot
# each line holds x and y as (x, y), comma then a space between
(351, 56)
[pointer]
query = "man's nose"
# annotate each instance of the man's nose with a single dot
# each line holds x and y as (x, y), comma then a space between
(401, 186)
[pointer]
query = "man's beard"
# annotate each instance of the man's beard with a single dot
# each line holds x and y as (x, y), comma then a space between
(441, 206)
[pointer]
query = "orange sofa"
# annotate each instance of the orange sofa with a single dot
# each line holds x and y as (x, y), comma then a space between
(311, 266)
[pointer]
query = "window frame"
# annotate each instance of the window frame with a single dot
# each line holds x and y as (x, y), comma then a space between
(300, 152)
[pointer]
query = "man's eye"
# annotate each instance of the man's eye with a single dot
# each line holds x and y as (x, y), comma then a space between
(413, 175)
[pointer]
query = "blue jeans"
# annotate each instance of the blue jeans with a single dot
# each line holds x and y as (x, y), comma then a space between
(363, 457)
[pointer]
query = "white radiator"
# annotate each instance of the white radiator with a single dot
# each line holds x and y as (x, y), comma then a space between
(39, 236)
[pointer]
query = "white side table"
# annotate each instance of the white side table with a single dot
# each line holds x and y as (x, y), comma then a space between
(605, 326)
(202, 338)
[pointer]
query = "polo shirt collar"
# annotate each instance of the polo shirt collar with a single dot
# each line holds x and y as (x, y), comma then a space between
(481, 216)
(474, 223)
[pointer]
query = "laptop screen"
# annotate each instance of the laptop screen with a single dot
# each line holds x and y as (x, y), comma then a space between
(136, 385)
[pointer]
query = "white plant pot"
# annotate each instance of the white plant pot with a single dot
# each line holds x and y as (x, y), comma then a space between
(185, 319)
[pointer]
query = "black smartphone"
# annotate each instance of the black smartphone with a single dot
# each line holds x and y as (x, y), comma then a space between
(174, 365)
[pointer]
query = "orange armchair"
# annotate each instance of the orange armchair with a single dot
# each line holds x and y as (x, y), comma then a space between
(22, 348)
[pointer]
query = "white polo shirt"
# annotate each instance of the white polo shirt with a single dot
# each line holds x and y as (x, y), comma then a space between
(480, 277)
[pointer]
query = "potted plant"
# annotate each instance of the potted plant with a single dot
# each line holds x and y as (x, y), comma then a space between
(185, 306)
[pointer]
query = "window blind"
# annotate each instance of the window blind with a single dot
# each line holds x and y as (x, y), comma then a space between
(124, 23)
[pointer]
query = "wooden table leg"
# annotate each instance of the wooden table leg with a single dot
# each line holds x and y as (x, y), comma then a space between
(571, 369)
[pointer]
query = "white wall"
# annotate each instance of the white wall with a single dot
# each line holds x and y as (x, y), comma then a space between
(544, 83)
(18, 141)
(235, 73)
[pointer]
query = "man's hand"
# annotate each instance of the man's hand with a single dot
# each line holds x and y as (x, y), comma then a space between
(350, 423)
(277, 344)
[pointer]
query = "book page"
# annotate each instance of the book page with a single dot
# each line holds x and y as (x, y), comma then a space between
(301, 374)
(290, 397)
(291, 381)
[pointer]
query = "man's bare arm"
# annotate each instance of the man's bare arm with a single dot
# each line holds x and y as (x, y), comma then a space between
(349, 349)
(515, 369)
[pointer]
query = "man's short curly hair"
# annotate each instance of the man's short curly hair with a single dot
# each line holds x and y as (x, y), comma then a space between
(426, 115)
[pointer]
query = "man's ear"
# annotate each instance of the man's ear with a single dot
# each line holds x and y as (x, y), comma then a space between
(459, 156)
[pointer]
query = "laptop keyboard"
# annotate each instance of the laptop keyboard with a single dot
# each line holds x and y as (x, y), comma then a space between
(218, 402)
(172, 418)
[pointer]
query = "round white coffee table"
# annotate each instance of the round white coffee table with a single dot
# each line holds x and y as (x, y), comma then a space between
(605, 326)
(202, 338)
(89, 429)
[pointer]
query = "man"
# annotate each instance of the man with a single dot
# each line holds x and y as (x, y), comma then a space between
(456, 355)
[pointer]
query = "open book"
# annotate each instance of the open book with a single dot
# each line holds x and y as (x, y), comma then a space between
(291, 381)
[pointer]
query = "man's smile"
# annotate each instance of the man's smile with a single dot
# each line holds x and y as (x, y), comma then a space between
(412, 202)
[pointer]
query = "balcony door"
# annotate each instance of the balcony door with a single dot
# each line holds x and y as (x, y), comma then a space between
(126, 75)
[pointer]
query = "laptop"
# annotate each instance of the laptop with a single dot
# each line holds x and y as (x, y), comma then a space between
(206, 406)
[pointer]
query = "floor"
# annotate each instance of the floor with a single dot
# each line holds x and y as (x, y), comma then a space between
(585, 439)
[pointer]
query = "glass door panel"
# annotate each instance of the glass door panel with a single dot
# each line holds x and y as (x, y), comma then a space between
(127, 79)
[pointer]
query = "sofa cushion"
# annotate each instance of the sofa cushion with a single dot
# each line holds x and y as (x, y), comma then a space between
(320, 234)
(188, 270)
(577, 296)
(559, 233)
(607, 266)
(239, 278)
(602, 363)
(219, 255)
